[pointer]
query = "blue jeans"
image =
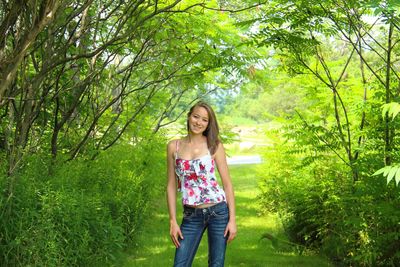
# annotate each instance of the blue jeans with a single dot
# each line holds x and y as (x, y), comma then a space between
(195, 221)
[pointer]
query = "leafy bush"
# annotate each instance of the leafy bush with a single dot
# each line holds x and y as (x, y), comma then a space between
(354, 224)
(77, 213)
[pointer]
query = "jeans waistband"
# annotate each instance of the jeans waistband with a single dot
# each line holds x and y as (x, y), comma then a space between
(209, 209)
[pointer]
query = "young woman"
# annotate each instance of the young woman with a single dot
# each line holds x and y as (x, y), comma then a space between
(191, 165)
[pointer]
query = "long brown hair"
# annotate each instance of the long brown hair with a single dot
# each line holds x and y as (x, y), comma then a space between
(212, 131)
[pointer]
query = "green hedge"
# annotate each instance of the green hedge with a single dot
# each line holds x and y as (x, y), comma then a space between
(78, 213)
(355, 225)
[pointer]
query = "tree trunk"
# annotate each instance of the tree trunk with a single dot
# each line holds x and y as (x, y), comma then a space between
(8, 73)
(388, 138)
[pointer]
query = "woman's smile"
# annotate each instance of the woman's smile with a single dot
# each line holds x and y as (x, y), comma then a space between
(198, 120)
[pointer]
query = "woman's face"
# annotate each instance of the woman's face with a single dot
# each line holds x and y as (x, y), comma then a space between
(198, 120)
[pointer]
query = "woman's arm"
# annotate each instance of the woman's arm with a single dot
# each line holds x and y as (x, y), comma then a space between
(175, 230)
(220, 159)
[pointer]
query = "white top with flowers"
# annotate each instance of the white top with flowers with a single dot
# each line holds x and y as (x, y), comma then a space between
(197, 180)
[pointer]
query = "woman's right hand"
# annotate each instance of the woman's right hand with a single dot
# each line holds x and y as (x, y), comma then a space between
(175, 233)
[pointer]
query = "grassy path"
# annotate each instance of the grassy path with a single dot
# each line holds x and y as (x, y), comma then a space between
(248, 249)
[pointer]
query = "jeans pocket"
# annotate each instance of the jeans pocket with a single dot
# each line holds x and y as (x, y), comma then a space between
(187, 214)
(221, 213)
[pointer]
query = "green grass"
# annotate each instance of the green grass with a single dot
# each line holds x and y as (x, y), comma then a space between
(235, 120)
(154, 247)
(255, 134)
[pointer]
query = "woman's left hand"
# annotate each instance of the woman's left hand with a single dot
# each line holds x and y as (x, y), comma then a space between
(230, 230)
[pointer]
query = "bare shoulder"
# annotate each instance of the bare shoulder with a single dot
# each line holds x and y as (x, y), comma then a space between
(220, 147)
(171, 146)
(220, 151)
(172, 142)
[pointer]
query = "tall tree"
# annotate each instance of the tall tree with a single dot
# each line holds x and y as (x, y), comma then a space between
(75, 73)
(301, 33)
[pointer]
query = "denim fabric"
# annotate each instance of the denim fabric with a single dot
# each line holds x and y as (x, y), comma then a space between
(195, 221)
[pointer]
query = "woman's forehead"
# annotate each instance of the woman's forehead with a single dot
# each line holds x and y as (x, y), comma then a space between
(200, 111)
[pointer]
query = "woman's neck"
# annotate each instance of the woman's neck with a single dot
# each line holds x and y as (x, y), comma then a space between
(195, 138)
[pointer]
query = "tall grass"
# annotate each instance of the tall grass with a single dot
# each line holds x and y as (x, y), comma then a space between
(78, 213)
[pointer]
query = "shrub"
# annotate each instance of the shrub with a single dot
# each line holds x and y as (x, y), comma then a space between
(354, 224)
(77, 213)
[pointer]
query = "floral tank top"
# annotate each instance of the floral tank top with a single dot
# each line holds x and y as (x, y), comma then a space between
(197, 180)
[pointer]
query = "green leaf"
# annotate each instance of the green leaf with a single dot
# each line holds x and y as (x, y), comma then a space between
(387, 170)
(395, 111)
(391, 174)
(393, 3)
(392, 109)
(397, 177)
(380, 171)
(385, 109)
